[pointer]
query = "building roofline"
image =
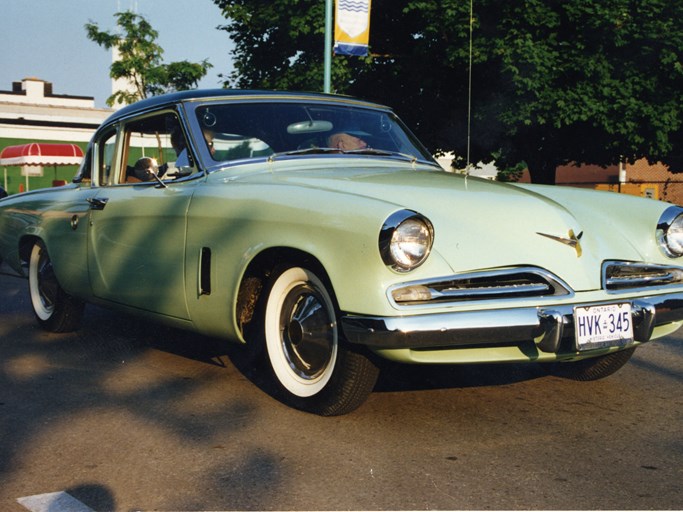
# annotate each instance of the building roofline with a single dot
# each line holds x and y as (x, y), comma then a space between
(18, 90)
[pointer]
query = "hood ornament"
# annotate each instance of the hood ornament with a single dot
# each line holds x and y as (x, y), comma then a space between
(571, 241)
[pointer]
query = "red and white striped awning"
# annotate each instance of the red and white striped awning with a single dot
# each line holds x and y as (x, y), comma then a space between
(38, 153)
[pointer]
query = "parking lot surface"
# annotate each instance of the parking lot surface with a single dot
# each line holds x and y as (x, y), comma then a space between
(126, 415)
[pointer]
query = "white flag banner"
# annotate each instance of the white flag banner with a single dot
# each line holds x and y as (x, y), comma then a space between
(352, 27)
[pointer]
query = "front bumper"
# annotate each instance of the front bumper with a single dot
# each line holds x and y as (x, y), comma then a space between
(551, 328)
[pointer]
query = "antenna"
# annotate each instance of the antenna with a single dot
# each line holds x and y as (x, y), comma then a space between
(469, 92)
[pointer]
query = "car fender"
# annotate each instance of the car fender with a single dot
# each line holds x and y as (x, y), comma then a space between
(338, 230)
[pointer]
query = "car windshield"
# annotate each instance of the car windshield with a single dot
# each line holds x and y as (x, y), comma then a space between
(279, 130)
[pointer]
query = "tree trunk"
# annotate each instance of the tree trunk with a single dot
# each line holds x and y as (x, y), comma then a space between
(542, 170)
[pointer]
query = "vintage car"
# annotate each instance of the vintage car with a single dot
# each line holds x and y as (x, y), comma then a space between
(318, 232)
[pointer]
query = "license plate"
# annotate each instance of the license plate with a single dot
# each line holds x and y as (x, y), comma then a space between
(608, 325)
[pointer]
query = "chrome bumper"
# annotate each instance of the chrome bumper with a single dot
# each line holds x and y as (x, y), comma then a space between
(550, 325)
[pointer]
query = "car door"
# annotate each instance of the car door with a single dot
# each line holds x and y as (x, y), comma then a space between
(137, 231)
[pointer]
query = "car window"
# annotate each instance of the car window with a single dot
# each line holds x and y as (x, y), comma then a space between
(106, 151)
(255, 130)
(154, 144)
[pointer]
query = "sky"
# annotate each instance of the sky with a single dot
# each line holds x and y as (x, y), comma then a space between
(46, 39)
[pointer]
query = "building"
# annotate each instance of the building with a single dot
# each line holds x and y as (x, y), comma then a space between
(639, 178)
(31, 112)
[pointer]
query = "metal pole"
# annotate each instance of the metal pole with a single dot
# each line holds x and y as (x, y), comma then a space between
(328, 47)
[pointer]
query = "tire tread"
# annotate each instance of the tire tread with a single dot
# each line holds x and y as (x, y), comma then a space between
(595, 368)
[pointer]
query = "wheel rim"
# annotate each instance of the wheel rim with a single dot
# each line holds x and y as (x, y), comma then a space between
(301, 332)
(43, 284)
(306, 333)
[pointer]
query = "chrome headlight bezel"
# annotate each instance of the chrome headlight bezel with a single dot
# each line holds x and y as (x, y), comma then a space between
(669, 232)
(403, 230)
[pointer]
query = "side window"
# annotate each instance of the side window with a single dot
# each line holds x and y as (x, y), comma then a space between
(154, 144)
(106, 151)
(84, 175)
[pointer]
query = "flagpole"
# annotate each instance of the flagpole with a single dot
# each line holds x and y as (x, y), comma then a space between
(328, 47)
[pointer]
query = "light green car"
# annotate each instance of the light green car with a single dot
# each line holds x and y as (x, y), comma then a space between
(318, 232)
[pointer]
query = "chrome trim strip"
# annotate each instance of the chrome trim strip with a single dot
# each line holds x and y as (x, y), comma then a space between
(489, 327)
(634, 282)
(489, 290)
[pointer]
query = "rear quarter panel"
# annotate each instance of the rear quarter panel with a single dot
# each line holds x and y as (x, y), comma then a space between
(59, 217)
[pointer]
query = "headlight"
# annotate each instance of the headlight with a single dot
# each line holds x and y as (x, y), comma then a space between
(405, 240)
(670, 232)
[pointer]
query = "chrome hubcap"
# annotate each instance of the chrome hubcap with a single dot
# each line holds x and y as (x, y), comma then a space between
(307, 332)
(46, 281)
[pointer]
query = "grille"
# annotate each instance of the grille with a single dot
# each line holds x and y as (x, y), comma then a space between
(624, 275)
(489, 285)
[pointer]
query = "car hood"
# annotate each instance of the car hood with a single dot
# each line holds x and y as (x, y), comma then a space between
(481, 224)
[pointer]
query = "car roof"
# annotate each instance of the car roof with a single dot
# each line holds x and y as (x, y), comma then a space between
(197, 94)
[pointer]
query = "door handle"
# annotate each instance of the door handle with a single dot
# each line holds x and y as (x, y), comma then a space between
(97, 203)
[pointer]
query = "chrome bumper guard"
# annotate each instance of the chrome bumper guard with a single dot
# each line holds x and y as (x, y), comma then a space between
(491, 327)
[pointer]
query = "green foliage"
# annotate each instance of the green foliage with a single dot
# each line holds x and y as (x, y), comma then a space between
(511, 174)
(140, 60)
(590, 81)
(552, 82)
(278, 44)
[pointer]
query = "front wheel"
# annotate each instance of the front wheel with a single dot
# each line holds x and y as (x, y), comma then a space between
(594, 368)
(315, 370)
(55, 310)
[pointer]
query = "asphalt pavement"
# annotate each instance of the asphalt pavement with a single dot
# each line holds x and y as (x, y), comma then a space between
(126, 415)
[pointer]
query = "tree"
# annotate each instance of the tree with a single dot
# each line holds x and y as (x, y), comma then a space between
(588, 81)
(553, 82)
(279, 45)
(140, 61)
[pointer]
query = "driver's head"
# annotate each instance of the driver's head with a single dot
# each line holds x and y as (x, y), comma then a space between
(346, 141)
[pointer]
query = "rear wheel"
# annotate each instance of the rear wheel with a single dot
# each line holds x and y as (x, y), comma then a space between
(594, 368)
(55, 310)
(314, 368)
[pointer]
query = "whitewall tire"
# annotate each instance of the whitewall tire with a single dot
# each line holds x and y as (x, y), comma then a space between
(55, 310)
(311, 363)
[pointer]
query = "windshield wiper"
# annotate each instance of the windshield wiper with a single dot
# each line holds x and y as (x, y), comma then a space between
(327, 151)
(305, 151)
(380, 152)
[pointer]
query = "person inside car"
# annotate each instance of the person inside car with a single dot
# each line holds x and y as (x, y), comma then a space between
(345, 142)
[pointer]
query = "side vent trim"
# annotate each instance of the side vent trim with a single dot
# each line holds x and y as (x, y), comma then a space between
(205, 271)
